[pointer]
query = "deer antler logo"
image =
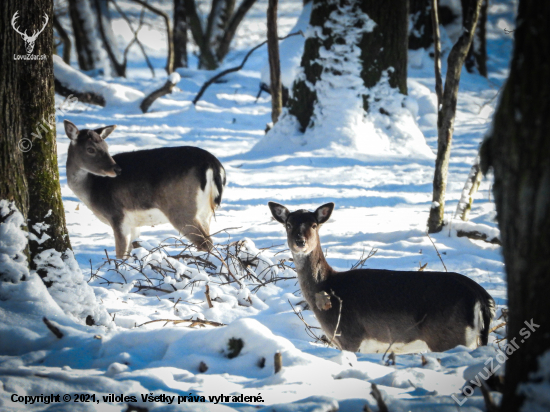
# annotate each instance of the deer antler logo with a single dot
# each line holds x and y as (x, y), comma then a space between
(29, 40)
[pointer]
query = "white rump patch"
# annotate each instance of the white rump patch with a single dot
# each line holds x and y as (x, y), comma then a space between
(375, 346)
(472, 334)
(205, 199)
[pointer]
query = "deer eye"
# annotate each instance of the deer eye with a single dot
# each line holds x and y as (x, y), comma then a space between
(90, 150)
(288, 226)
(314, 226)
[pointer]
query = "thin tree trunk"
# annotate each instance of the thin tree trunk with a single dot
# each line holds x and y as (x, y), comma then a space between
(67, 44)
(107, 37)
(274, 62)
(231, 29)
(437, 53)
(180, 34)
(446, 117)
(518, 150)
(84, 19)
(13, 184)
(477, 55)
(470, 189)
(207, 59)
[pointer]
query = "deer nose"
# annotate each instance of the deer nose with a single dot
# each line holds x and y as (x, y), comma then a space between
(117, 169)
(300, 242)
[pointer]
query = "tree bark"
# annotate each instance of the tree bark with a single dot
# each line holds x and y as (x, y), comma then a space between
(13, 184)
(382, 48)
(180, 34)
(420, 36)
(386, 46)
(446, 117)
(518, 151)
(274, 61)
(83, 20)
(36, 93)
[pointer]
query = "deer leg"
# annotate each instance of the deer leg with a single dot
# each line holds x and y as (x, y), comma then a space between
(122, 240)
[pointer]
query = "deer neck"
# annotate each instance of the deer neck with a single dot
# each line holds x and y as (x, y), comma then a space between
(313, 270)
(79, 180)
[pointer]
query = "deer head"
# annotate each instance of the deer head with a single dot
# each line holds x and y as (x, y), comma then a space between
(29, 40)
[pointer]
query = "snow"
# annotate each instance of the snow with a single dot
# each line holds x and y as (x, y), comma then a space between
(380, 180)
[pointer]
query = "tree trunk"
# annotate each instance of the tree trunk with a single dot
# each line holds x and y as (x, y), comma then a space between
(446, 117)
(420, 36)
(67, 45)
(470, 189)
(13, 184)
(38, 120)
(207, 59)
(180, 34)
(274, 62)
(108, 37)
(382, 48)
(477, 55)
(518, 150)
(232, 27)
(84, 22)
(386, 46)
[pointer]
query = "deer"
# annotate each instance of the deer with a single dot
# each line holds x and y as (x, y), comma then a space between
(178, 185)
(29, 40)
(375, 310)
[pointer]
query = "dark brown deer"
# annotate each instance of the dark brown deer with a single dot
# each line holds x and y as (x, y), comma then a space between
(180, 185)
(371, 310)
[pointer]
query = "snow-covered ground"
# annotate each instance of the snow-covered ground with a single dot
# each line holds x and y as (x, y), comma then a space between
(382, 203)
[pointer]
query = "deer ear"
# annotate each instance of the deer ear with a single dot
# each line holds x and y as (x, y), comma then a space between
(279, 212)
(103, 132)
(70, 129)
(323, 212)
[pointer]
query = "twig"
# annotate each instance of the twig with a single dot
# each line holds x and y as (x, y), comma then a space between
(362, 260)
(339, 316)
(135, 33)
(489, 402)
(194, 322)
(382, 407)
(54, 329)
(278, 362)
(437, 251)
(207, 293)
(235, 69)
(437, 54)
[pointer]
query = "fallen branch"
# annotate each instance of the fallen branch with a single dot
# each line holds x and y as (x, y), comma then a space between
(163, 91)
(235, 69)
(474, 234)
